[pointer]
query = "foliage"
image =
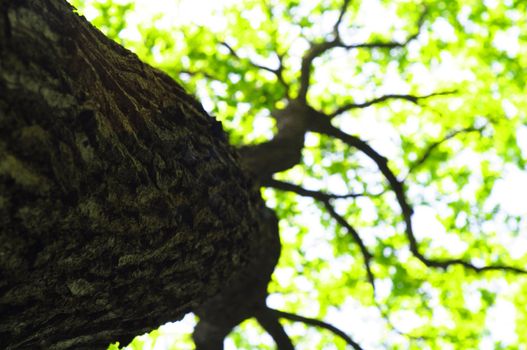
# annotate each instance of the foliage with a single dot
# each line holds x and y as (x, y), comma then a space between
(444, 103)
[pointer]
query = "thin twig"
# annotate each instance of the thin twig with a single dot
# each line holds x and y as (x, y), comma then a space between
(195, 73)
(278, 72)
(318, 323)
(319, 195)
(430, 148)
(409, 98)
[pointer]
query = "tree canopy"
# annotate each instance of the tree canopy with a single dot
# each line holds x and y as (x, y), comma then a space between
(402, 224)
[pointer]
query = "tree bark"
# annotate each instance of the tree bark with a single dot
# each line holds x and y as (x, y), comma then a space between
(121, 204)
(245, 294)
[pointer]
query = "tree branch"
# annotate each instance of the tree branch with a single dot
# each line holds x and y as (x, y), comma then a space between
(278, 72)
(342, 12)
(428, 151)
(307, 61)
(407, 211)
(269, 321)
(195, 73)
(317, 49)
(318, 195)
(325, 198)
(351, 230)
(317, 323)
(409, 98)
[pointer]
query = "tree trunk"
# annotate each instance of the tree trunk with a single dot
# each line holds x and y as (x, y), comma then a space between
(121, 204)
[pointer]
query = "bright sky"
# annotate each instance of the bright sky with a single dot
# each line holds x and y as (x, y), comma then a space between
(365, 324)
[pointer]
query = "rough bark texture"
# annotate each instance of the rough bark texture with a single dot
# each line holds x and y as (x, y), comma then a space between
(121, 204)
(246, 293)
(244, 296)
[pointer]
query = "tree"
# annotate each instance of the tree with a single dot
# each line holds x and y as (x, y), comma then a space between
(445, 142)
(122, 205)
(441, 83)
